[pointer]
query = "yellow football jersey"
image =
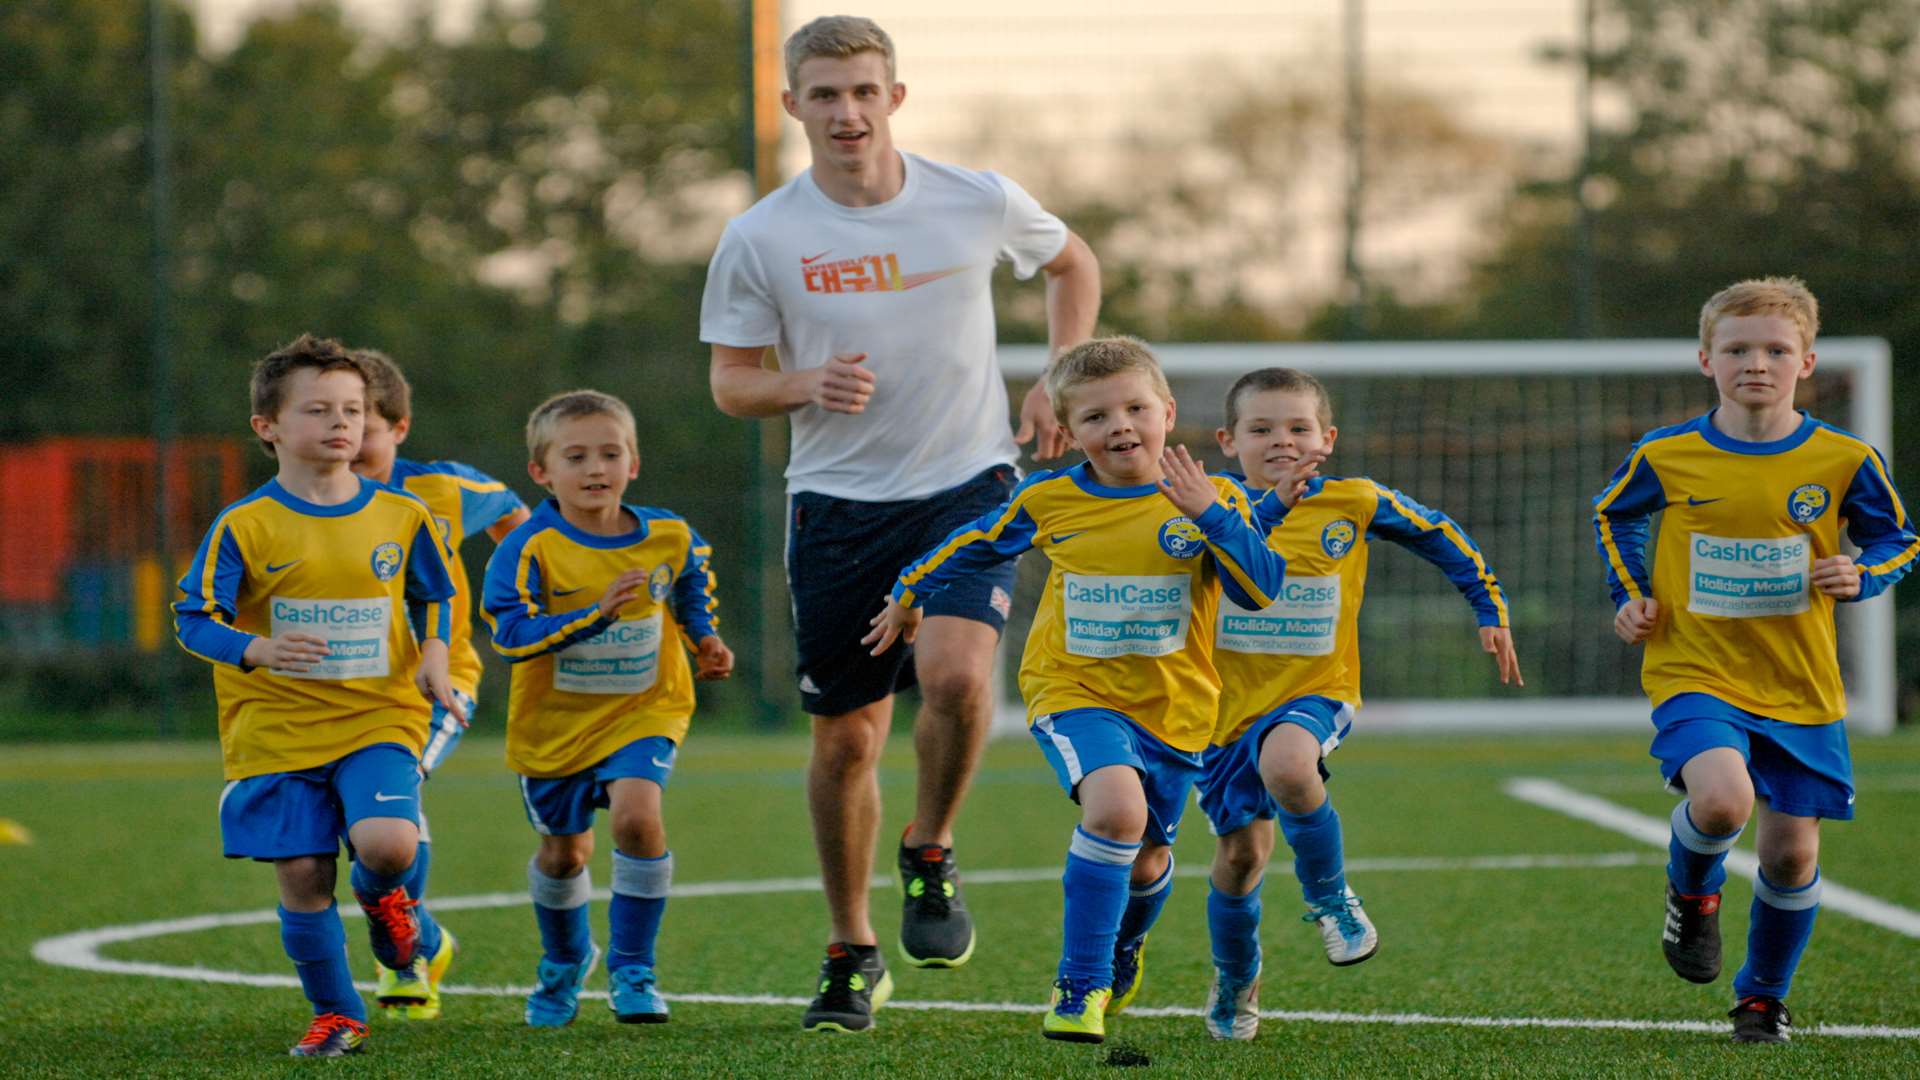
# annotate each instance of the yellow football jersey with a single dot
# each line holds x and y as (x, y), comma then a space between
(1307, 640)
(369, 575)
(1741, 525)
(585, 685)
(464, 501)
(1127, 619)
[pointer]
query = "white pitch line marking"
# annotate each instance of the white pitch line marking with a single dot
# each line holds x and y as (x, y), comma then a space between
(1656, 831)
(81, 950)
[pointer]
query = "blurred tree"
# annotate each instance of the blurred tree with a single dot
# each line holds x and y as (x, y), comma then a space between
(73, 234)
(517, 211)
(1230, 232)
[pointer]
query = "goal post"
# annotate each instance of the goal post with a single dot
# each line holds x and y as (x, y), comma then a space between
(1512, 439)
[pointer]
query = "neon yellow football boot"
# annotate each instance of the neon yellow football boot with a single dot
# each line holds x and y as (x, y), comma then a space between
(1077, 1013)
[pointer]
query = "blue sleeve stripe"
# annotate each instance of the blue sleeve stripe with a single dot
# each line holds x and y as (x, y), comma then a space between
(1893, 494)
(1467, 551)
(588, 616)
(1232, 566)
(914, 575)
(1605, 526)
(1906, 556)
(522, 582)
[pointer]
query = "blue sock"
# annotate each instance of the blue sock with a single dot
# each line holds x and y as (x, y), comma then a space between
(1696, 862)
(417, 877)
(1233, 922)
(317, 944)
(1143, 907)
(1318, 860)
(560, 907)
(1096, 893)
(1782, 921)
(639, 900)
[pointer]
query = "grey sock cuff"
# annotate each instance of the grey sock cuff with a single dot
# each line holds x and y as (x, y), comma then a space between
(645, 878)
(1157, 884)
(561, 894)
(1800, 899)
(1693, 839)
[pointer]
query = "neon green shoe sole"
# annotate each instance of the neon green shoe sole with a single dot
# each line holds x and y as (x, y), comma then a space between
(415, 994)
(1087, 1023)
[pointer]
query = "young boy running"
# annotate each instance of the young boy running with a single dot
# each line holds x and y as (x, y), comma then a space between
(309, 596)
(1117, 673)
(1737, 619)
(1291, 678)
(591, 601)
(463, 501)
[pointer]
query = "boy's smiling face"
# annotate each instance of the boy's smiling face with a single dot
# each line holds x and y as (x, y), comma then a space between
(588, 464)
(1121, 423)
(1275, 429)
(1757, 361)
(322, 416)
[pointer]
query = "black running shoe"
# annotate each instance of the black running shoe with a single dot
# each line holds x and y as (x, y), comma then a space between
(1760, 1019)
(1691, 937)
(935, 929)
(853, 983)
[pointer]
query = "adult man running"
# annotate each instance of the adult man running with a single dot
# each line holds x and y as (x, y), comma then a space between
(869, 273)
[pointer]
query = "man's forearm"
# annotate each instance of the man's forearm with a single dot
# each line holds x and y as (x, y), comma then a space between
(752, 391)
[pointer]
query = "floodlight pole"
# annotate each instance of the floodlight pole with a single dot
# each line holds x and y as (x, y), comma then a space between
(160, 207)
(1355, 283)
(1586, 313)
(765, 76)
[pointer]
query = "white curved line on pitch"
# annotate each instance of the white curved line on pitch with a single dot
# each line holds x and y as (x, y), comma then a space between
(1562, 799)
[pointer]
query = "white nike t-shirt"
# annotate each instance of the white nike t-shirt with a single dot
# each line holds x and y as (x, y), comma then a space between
(908, 283)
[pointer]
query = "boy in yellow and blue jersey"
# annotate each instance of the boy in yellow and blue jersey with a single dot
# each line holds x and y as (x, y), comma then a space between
(1737, 619)
(463, 501)
(1118, 674)
(321, 599)
(592, 601)
(1291, 678)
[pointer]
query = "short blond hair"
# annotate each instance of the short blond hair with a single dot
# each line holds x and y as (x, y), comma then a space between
(545, 422)
(837, 36)
(1102, 358)
(1788, 296)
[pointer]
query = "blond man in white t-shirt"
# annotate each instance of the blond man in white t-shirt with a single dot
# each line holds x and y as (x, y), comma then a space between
(870, 275)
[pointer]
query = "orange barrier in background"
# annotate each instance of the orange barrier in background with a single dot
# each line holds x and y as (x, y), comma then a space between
(80, 534)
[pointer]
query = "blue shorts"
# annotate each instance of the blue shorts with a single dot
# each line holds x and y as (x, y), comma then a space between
(1080, 741)
(564, 805)
(289, 814)
(443, 734)
(843, 557)
(1232, 794)
(1800, 769)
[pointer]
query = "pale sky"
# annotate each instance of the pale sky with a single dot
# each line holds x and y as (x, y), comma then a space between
(1103, 60)
(1004, 84)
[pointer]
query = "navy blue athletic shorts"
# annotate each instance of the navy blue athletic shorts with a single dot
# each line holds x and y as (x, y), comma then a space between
(843, 557)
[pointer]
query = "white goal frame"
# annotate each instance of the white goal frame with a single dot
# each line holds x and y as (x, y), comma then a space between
(1866, 630)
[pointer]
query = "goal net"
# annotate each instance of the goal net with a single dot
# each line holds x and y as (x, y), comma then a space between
(1512, 440)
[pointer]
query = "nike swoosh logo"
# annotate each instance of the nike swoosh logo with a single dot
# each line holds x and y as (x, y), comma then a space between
(1061, 538)
(804, 260)
(378, 797)
(274, 569)
(667, 764)
(1691, 501)
(568, 592)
